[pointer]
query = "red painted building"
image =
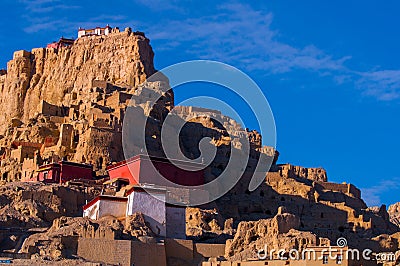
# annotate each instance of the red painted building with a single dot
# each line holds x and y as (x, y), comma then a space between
(63, 171)
(142, 169)
(63, 42)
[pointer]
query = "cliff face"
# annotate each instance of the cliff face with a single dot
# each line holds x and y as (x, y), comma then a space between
(49, 74)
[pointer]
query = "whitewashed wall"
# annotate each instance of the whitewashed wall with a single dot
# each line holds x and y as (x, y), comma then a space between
(110, 207)
(93, 211)
(152, 208)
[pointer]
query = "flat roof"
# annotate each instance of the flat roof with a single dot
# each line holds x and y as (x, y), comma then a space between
(147, 189)
(153, 158)
(58, 164)
(104, 197)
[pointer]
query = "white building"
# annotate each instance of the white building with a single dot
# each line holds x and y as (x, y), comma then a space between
(96, 31)
(105, 205)
(164, 219)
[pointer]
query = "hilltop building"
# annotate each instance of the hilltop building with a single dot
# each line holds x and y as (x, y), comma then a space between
(95, 31)
(62, 42)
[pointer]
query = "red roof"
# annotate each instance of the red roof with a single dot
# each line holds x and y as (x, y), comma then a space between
(152, 158)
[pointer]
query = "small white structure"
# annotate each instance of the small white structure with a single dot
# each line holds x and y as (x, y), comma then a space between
(164, 219)
(105, 205)
(96, 31)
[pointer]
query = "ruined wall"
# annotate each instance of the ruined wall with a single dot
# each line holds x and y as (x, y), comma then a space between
(209, 250)
(66, 132)
(51, 109)
(349, 189)
(292, 171)
(22, 152)
(394, 213)
(122, 252)
(117, 98)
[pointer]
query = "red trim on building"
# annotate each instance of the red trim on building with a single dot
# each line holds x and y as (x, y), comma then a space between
(17, 143)
(62, 42)
(145, 190)
(64, 171)
(152, 158)
(104, 197)
(142, 169)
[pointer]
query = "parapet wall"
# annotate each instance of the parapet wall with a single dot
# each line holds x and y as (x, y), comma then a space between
(21, 53)
(348, 189)
(127, 252)
(292, 171)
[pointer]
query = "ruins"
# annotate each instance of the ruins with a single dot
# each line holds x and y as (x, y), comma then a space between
(63, 109)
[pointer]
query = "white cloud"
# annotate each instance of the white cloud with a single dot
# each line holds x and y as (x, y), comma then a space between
(372, 195)
(382, 84)
(243, 36)
(46, 6)
(161, 5)
(240, 34)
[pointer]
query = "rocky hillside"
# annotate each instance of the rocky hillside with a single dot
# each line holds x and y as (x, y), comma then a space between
(394, 213)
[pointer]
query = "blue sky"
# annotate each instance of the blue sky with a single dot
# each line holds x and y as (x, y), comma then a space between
(330, 70)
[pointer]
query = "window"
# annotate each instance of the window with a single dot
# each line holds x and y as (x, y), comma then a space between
(339, 259)
(325, 259)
